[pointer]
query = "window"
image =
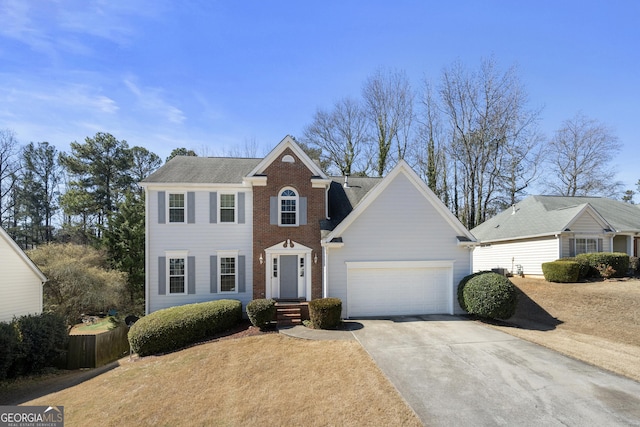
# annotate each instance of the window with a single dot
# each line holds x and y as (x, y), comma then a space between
(275, 266)
(586, 246)
(288, 207)
(227, 208)
(177, 275)
(227, 274)
(176, 207)
(301, 266)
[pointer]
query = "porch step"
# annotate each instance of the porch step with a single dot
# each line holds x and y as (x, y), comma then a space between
(289, 314)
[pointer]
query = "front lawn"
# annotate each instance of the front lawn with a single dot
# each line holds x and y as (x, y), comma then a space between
(260, 380)
(597, 322)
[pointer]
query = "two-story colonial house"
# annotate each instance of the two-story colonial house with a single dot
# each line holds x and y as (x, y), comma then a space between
(278, 227)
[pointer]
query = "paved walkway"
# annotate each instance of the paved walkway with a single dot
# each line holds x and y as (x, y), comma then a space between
(453, 371)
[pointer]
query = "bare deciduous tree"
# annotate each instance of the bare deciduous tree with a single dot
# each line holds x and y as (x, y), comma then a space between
(580, 155)
(389, 99)
(491, 134)
(341, 135)
(9, 166)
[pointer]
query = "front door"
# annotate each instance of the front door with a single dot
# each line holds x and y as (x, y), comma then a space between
(288, 276)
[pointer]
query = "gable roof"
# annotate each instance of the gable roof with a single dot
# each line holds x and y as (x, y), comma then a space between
(203, 170)
(287, 142)
(13, 245)
(370, 196)
(547, 215)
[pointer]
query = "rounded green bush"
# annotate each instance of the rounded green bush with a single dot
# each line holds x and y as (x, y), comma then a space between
(561, 271)
(490, 295)
(261, 312)
(462, 284)
(324, 313)
(173, 328)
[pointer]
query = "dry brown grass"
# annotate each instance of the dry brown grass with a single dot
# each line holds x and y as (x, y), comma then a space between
(261, 380)
(597, 322)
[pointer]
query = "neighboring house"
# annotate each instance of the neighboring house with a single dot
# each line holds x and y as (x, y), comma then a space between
(21, 281)
(278, 227)
(545, 228)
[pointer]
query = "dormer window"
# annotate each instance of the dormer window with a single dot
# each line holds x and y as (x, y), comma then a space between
(288, 207)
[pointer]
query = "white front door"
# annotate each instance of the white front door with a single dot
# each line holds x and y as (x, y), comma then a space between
(288, 272)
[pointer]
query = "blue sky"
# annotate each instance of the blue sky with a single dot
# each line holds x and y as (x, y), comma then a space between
(210, 75)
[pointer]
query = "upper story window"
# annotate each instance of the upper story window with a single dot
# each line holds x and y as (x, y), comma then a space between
(228, 208)
(288, 207)
(176, 207)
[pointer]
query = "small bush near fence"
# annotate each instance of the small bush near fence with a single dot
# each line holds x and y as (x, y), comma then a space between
(324, 313)
(490, 295)
(634, 265)
(261, 312)
(561, 271)
(173, 328)
(605, 264)
(28, 344)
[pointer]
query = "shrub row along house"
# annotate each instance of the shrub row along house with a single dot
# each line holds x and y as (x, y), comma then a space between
(545, 228)
(278, 227)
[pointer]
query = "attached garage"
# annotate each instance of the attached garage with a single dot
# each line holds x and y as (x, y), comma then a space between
(395, 288)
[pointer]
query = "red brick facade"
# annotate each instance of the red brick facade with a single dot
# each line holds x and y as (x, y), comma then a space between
(297, 176)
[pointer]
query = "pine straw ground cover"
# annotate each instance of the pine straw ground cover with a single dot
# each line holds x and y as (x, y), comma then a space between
(267, 379)
(596, 322)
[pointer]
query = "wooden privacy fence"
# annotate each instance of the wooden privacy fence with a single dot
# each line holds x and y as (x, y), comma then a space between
(92, 351)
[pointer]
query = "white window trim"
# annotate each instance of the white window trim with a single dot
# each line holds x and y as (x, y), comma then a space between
(297, 199)
(168, 209)
(176, 255)
(227, 254)
(575, 243)
(235, 206)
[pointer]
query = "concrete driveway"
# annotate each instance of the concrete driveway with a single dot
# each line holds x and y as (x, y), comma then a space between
(456, 372)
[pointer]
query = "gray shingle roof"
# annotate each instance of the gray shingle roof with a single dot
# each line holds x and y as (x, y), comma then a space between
(203, 170)
(544, 215)
(343, 200)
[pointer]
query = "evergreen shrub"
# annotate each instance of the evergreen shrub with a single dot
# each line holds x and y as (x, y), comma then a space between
(261, 312)
(173, 328)
(324, 313)
(490, 295)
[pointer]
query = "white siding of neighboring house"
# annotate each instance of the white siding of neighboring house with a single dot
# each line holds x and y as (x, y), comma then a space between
(20, 286)
(530, 253)
(202, 240)
(585, 226)
(400, 225)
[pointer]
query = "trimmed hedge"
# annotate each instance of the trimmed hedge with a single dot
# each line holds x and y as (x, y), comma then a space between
(634, 264)
(324, 313)
(489, 295)
(462, 284)
(261, 312)
(173, 328)
(600, 261)
(561, 271)
(28, 344)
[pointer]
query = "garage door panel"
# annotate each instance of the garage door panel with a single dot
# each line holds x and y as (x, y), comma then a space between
(397, 291)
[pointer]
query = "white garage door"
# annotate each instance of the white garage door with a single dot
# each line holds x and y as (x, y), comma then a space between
(388, 289)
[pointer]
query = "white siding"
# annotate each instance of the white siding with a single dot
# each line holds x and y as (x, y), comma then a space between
(529, 253)
(20, 287)
(202, 240)
(400, 225)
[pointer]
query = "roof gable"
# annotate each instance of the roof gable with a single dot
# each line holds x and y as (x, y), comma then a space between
(14, 246)
(287, 142)
(548, 215)
(401, 168)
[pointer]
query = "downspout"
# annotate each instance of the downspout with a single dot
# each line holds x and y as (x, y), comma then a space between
(325, 272)
(146, 250)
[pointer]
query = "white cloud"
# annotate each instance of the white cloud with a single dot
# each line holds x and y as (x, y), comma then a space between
(151, 99)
